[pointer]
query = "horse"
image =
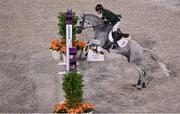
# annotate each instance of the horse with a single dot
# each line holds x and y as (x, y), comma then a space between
(133, 51)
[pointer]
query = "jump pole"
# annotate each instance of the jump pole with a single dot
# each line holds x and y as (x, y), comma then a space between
(70, 52)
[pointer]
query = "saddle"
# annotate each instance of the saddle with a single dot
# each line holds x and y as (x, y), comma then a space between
(116, 39)
(117, 35)
(119, 38)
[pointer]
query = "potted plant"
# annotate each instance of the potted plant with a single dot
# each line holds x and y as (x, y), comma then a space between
(55, 47)
(80, 45)
(72, 86)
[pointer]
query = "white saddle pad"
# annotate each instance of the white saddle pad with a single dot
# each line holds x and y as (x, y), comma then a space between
(123, 42)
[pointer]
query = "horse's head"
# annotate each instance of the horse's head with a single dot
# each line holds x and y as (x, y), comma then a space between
(82, 24)
(89, 21)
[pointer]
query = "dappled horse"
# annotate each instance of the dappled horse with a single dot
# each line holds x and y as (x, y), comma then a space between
(132, 51)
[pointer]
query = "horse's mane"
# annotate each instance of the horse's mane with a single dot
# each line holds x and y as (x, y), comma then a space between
(95, 16)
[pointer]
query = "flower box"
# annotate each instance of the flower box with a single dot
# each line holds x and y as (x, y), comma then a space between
(83, 108)
(56, 54)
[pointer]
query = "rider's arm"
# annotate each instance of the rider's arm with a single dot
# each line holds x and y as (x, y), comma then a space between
(106, 22)
(102, 18)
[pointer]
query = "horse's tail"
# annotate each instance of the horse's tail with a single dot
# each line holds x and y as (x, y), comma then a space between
(156, 58)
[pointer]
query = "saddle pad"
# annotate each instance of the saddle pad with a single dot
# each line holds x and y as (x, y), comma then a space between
(123, 42)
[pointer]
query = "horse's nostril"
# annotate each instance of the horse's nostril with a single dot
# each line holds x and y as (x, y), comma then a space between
(79, 31)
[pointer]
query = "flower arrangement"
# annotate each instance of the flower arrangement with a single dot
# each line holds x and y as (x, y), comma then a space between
(59, 45)
(82, 108)
(72, 86)
(55, 45)
(79, 44)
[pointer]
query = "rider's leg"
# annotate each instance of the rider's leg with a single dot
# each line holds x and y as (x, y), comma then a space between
(116, 26)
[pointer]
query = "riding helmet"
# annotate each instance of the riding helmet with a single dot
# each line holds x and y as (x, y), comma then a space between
(99, 7)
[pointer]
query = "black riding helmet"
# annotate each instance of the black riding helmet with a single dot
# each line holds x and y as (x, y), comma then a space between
(99, 7)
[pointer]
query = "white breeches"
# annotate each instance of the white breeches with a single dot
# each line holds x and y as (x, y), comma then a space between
(115, 27)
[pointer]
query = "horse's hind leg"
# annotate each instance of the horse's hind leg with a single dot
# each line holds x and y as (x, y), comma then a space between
(141, 79)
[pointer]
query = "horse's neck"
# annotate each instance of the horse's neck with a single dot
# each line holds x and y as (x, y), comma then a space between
(102, 36)
(102, 27)
(101, 31)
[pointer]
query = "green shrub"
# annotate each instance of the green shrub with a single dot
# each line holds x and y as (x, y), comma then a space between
(72, 86)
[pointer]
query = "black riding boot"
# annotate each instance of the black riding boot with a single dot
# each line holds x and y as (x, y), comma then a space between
(116, 36)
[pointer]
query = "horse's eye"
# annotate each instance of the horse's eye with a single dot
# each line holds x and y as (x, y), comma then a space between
(80, 22)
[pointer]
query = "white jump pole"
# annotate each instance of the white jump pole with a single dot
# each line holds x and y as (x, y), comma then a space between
(69, 20)
(69, 16)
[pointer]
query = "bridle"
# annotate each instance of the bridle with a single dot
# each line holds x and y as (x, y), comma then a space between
(84, 21)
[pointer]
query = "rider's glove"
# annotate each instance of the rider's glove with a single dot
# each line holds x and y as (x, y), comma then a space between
(106, 22)
(120, 16)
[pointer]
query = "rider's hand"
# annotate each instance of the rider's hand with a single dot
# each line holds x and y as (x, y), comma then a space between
(106, 22)
(120, 16)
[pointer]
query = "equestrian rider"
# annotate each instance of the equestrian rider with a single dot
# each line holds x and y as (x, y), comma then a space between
(109, 18)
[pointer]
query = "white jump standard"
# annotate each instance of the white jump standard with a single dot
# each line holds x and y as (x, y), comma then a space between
(70, 51)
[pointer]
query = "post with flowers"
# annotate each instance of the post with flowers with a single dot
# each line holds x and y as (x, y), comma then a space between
(72, 81)
(70, 51)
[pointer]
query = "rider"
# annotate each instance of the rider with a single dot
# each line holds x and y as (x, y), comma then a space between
(109, 18)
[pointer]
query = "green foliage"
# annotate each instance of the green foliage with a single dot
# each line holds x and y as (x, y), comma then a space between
(62, 24)
(72, 86)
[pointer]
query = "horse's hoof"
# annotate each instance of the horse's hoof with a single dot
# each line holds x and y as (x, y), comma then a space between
(139, 87)
(139, 82)
(86, 54)
(134, 85)
(143, 85)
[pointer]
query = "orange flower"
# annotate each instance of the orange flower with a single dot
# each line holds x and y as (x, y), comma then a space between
(87, 105)
(71, 111)
(75, 43)
(62, 107)
(79, 44)
(59, 107)
(63, 49)
(55, 45)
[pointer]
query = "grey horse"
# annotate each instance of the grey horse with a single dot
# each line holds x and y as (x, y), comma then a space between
(132, 51)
